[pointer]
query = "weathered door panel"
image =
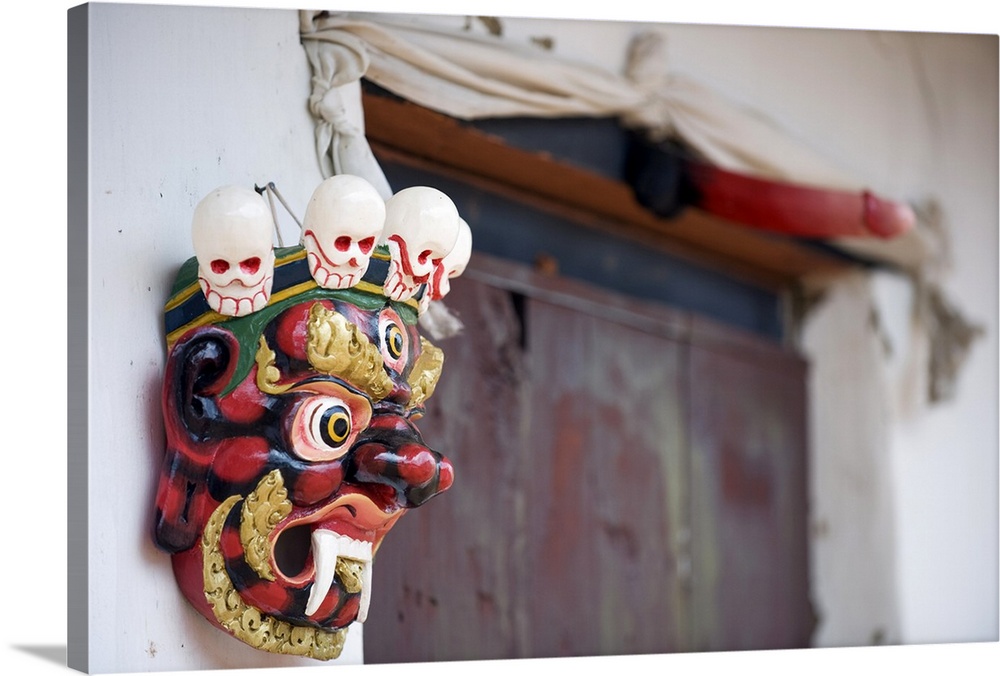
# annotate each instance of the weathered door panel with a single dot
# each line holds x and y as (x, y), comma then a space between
(626, 481)
(749, 501)
(602, 487)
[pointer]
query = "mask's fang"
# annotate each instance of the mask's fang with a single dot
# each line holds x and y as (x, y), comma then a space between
(332, 552)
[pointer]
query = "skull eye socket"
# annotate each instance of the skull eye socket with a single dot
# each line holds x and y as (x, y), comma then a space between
(342, 243)
(366, 244)
(250, 266)
(219, 266)
(424, 255)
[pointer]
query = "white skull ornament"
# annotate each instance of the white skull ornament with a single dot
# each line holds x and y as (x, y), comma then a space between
(231, 231)
(342, 224)
(421, 228)
(452, 265)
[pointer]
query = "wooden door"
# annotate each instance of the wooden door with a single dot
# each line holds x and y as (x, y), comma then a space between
(749, 516)
(576, 421)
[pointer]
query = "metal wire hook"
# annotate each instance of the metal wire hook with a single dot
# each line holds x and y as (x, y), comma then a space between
(272, 192)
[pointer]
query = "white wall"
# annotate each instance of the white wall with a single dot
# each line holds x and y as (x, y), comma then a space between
(185, 99)
(945, 457)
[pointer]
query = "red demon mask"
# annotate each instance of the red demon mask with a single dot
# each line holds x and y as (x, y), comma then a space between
(291, 452)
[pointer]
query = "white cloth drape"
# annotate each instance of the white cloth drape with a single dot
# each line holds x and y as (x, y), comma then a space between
(335, 102)
(471, 76)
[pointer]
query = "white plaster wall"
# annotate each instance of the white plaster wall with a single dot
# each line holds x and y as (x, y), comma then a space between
(853, 565)
(182, 100)
(945, 457)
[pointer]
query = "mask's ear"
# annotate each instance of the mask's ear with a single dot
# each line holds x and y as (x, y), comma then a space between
(198, 368)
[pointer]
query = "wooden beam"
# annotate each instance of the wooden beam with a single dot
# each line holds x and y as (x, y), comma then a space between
(405, 132)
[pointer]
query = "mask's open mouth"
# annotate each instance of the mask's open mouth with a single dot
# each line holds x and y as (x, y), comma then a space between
(332, 547)
(327, 551)
(247, 623)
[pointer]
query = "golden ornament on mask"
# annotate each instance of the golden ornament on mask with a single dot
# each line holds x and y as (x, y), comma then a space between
(339, 348)
(262, 510)
(425, 374)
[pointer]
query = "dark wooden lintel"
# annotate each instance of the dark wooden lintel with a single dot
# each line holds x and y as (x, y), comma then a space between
(407, 133)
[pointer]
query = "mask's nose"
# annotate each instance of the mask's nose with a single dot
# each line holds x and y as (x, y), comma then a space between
(394, 457)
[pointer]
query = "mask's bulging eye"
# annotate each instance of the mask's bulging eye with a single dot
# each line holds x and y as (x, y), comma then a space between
(333, 426)
(393, 340)
(328, 424)
(325, 426)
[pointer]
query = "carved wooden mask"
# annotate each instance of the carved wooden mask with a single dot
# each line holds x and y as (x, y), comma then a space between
(291, 451)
